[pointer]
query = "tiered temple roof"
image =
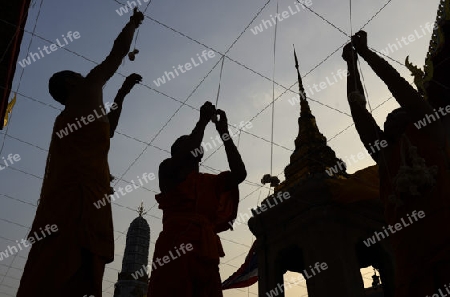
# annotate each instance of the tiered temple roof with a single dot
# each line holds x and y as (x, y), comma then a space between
(312, 156)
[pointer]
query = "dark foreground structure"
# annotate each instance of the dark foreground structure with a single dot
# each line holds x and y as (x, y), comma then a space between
(322, 231)
(13, 16)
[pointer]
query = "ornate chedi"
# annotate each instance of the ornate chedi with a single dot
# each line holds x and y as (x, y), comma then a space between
(312, 156)
(315, 222)
(133, 279)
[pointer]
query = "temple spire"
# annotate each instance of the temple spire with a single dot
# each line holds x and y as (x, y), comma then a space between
(308, 131)
(304, 106)
(312, 156)
(133, 278)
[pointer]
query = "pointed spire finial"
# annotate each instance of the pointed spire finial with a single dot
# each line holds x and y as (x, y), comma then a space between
(312, 156)
(141, 210)
(305, 110)
(295, 57)
(299, 77)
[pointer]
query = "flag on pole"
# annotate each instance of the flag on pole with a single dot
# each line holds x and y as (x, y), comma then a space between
(247, 274)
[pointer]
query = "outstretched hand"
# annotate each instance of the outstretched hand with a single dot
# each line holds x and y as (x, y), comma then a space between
(349, 54)
(359, 41)
(137, 17)
(131, 80)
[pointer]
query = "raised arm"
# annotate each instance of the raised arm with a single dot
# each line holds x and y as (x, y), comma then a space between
(116, 109)
(196, 136)
(402, 91)
(235, 162)
(105, 70)
(192, 142)
(353, 79)
(185, 156)
(368, 130)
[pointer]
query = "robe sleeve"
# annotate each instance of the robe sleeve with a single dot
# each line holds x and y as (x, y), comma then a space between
(228, 203)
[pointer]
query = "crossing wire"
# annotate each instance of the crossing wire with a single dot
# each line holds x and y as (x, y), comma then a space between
(248, 182)
(150, 190)
(195, 89)
(184, 104)
(377, 13)
(291, 86)
(11, 115)
(273, 93)
(150, 88)
(248, 68)
(281, 95)
(233, 61)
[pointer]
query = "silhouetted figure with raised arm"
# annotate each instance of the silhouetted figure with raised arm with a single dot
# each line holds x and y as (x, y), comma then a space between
(196, 206)
(70, 260)
(414, 175)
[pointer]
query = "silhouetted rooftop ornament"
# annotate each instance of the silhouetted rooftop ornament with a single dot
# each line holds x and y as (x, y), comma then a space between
(304, 106)
(141, 210)
(312, 156)
(433, 79)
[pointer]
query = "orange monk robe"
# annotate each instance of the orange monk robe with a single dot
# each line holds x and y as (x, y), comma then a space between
(71, 262)
(422, 248)
(193, 213)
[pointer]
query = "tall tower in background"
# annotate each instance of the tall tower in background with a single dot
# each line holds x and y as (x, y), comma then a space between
(133, 279)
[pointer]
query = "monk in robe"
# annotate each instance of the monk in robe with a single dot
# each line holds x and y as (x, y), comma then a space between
(71, 261)
(414, 175)
(196, 206)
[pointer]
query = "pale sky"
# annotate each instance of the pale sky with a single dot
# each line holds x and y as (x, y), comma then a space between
(174, 33)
